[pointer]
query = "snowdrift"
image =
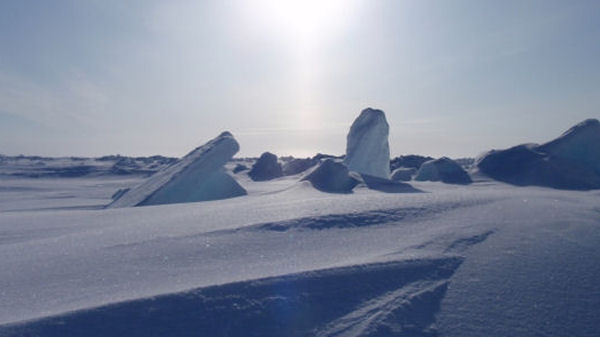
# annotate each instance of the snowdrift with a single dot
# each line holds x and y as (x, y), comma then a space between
(199, 176)
(443, 169)
(572, 161)
(367, 147)
(367, 300)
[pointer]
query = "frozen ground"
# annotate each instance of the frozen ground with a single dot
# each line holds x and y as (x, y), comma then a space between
(487, 259)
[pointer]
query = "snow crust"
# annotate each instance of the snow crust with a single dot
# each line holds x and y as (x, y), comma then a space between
(367, 147)
(199, 176)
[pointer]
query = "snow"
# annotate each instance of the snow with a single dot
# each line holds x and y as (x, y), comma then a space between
(298, 261)
(533, 277)
(443, 169)
(479, 259)
(572, 161)
(331, 176)
(266, 168)
(199, 176)
(367, 148)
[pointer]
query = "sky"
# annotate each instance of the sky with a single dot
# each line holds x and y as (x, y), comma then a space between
(145, 77)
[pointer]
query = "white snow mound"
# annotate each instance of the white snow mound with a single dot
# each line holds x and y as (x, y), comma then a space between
(367, 149)
(199, 176)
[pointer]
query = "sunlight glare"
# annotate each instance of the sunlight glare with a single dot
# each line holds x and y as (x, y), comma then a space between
(306, 28)
(302, 20)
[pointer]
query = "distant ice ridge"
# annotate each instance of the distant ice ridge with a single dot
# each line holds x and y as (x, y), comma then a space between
(367, 149)
(571, 161)
(199, 176)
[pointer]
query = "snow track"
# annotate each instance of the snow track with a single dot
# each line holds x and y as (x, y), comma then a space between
(380, 299)
(407, 311)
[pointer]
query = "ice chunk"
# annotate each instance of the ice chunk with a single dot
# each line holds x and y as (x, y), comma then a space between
(199, 176)
(571, 161)
(403, 173)
(579, 144)
(445, 170)
(296, 166)
(408, 161)
(367, 148)
(266, 168)
(331, 176)
(387, 185)
(239, 168)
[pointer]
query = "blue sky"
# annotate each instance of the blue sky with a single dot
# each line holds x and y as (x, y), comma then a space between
(161, 77)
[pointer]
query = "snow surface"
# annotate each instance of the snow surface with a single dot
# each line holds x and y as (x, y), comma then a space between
(486, 259)
(367, 147)
(199, 176)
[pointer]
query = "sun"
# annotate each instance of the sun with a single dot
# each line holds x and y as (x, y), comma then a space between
(303, 30)
(302, 20)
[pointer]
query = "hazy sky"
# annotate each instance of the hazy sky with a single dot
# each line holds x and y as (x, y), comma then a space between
(162, 77)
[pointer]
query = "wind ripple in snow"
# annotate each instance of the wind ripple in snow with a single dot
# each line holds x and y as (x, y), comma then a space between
(460, 245)
(335, 221)
(362, 219)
